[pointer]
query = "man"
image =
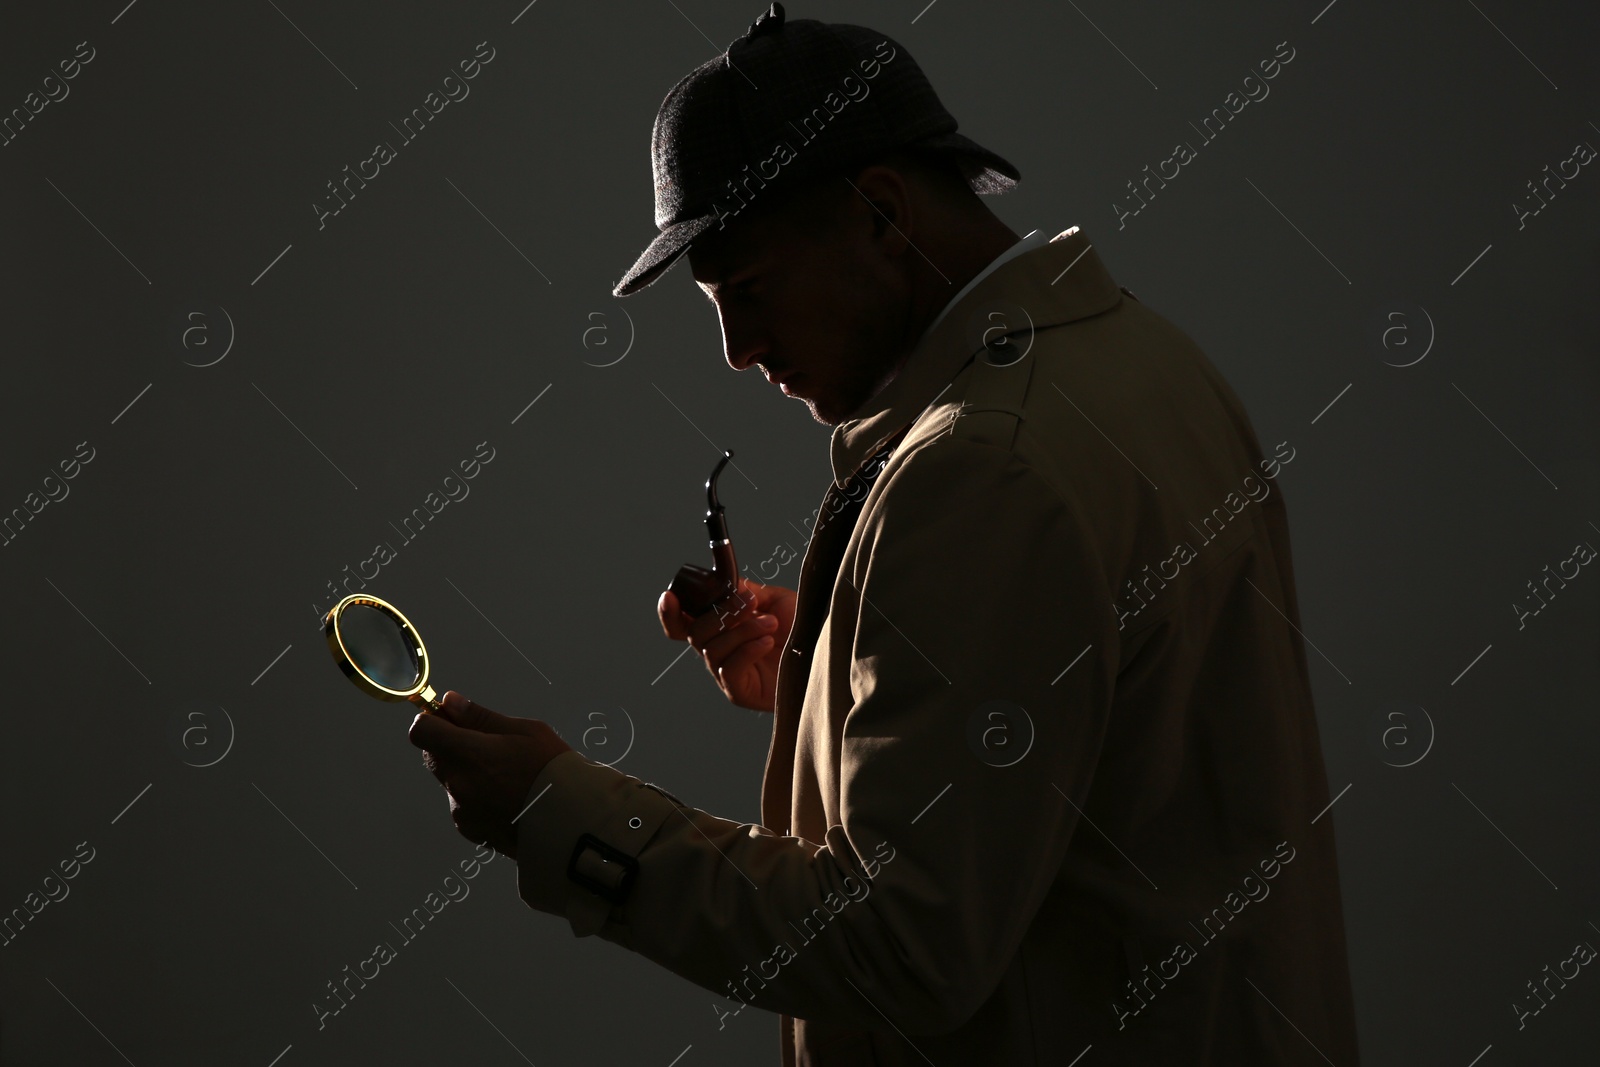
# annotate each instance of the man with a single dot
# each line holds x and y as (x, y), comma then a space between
(1045, 773)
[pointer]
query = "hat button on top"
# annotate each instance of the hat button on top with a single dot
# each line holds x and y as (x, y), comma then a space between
(769, 21)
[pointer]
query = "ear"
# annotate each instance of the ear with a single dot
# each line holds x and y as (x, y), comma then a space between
(885, 195)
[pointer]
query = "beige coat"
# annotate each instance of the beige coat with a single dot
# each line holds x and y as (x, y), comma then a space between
(1049, 775)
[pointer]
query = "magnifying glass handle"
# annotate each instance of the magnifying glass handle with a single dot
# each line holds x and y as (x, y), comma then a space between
(428, 700)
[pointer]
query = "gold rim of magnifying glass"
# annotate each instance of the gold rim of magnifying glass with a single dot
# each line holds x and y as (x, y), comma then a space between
(420, 694)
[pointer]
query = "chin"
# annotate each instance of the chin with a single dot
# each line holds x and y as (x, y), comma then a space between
(823, 411)
(833, 402)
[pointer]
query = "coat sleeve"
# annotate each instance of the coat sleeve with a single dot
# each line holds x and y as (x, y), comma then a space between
(966, 755)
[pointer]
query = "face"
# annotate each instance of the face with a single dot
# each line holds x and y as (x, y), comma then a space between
(819, 306)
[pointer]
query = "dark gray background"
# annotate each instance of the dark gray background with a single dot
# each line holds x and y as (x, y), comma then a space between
(193, 551)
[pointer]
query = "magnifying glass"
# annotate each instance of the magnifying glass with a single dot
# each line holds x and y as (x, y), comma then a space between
(379, 650)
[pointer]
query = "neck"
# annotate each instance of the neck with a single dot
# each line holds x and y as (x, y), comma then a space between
(958, 254)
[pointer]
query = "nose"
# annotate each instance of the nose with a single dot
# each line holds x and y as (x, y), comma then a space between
(743, 343)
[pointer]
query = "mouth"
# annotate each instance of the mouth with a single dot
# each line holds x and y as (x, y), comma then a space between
(783, 381)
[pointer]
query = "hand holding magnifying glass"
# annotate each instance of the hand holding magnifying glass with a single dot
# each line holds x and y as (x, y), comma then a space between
(486, 761)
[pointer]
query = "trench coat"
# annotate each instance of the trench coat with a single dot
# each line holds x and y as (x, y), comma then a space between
(1045, 778)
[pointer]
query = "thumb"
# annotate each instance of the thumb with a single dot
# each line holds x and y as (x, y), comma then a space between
(450, 742)
(471, 715)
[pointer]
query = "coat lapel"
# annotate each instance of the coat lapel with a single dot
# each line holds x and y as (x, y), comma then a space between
(836, 520)
(1059, 282)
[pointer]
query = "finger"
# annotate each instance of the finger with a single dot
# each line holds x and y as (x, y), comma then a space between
(774, 598)
(674, 620)
(778, 602)
(449, 707)
(757, 594)
(719, 648)
(492, 722)
(724, 616)
(470, 715)
(465, 826)
(443, 768)
(743, 658)
(746, 592)
(447, 742)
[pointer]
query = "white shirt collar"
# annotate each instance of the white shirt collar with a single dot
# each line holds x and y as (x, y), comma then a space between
(1034, 239)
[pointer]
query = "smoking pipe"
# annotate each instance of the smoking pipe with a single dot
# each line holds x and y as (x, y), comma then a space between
(699, 589)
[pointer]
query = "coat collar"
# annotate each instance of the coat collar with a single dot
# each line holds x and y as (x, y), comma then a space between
(1056, 283)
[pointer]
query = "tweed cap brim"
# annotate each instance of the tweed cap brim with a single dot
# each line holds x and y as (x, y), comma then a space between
(987, 173)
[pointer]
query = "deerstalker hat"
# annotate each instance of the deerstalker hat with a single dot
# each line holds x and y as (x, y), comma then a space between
(788, 101)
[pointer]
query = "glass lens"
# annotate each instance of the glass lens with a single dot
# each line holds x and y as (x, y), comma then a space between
(378, 646)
